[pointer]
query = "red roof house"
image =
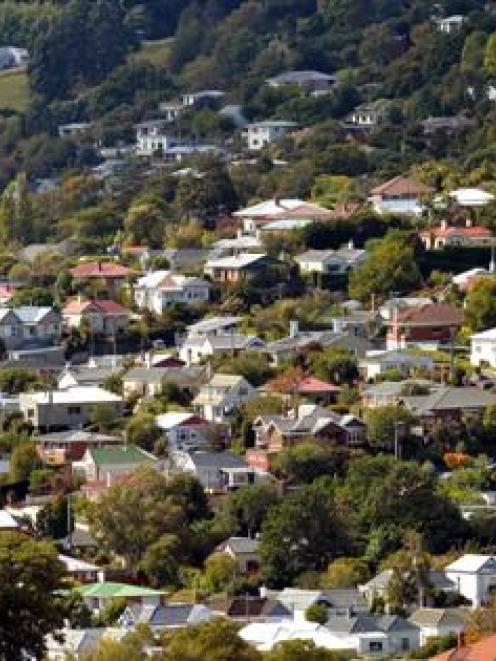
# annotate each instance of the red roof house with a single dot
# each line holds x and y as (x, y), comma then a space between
(446, 235)
(483, 650)
(424, 326)
(103, 316)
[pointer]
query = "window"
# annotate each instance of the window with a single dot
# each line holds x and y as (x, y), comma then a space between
(74, 410)
(375, 646)
(405, 644)
(30, 413)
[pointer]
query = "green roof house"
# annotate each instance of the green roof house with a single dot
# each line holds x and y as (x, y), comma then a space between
(107, 464)
(97, 595)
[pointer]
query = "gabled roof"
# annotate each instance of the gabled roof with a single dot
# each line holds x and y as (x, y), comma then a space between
(282, 208)
(97, 306)
(434, 314)
(450, 398)
(435, 617)
(213, 324)
(115, 590)
(483, 650)
(241, 261)
(300, 77)
(240, 545)
(168, 421)
(472, 563)
(32, 314)
(218, 460)
(399, 186)
(101, 270)
(74, 395)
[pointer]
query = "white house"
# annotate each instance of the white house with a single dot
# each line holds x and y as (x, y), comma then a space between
(450, 24)
(474, 575)
(436, 622)
(184, 430)
(159, 289)
(259, 215)
(366, 116)
(192, 98)
(221, 396)
(377, 363)
(171, 110)
(29, 325)
(217, 471)
(151, 138)
(471, 197)
(69, 408)
(260, 134)
(214, 326)
(330, 261)
(483, 348)
(196, 349)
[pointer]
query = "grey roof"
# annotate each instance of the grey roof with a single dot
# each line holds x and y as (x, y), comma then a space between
(345, 598)
(398, 357)
(170, 615)
(299, 77)
(310, 420)
(450, 398)
(181, 376)
(438, 579)
(219, 460)
(242, 544)
(433, 617)
(77, 436)
(211, 324)
(365, 623)
(32, 314)
(88, 375)
(324, 338)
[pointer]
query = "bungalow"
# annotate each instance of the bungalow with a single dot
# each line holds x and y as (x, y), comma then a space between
(446, 236)
(237, 268)
(79, 570)
(108, 464)
(308, 81)
(475, 577)
(483, 348)
(197, 349)
(399, 195)
(259, 215)
(428, 326)
(213, 326)
(216, 471)
(29, 326)
(160, 289)
(193, 98)
(75, 130)
(310, 388)
(330, 261)
(171, 110)
(166, 617)
(260, 134)
(111, 274)
(59, 448)
(150, 381)
(437, 622)
(218, 399)
(471, 197)
(274, 432)
(450, 24)
(244, 551)
(98, 595)
(82, 375)
(366, 116)
(377, 363)
(104, 317)
(392, 392)
(186, 431)
(69, 408)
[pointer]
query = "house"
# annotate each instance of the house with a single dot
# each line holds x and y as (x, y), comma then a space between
(468, 279)
(69, 408)
(338, 602)
(29, 326)
(483, 348)
(75, 130)
(151, 137)
(401, 195)
(366, 116)
(436, 622)
(216, 471)
(428, 326)
(111, 274)
(377, 363)
(186, 431)
(385, 393)
(171, 110)
(310, 388)
(308, 81)
(12, 57)
(260, 134)
(446, 236)
(196, 349)
(79, 570)
(482, 650)
(377, 587)
(241, 243)
(98, 595)
(160, 289)
(149, 381)
(105, 317)
(448, 125)
(450, 24)
(237, 268)
(164, 617)
(259, 215)
(59, 448)
(9, 522)
(448, 404)
(475, 577)
(218, 399)
(73, 644)
(81, 375)
(7, 290)
(471, 197)
(193, 98)
(330, 261)
(213, 326)
(247, 608)
(274, 432)
(389, 308)
(106, 465)
(244, 551)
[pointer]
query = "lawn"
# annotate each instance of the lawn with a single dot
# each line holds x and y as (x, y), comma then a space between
(14, 90)
(155, 52)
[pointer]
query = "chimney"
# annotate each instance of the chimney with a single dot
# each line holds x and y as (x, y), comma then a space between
(294, 329)
(351, 245)
(239, 233)
(468, 222)
(444, 224)
(149, 359)
(101, 576)
(99, 265)
(461, 640)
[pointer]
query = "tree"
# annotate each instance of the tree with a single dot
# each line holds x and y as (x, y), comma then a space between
(410, 582)
(317, 613)
(142, 430)
(53, 519)
(480, 624)
(490, 54)
(302, 533)
(103, 417)
(216, 640)
(386, 422)
(334, 364)
(345, 573)
(308, 460)
(14, 380)
(300, 650)
(220, 571)
(389, 267)
(31, 578)
(246, 508)
(24, 460)
(480, 305)
(144, 222)
(160, 561)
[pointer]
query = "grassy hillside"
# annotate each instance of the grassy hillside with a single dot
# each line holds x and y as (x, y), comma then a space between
(155, 52)
(14, 90)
